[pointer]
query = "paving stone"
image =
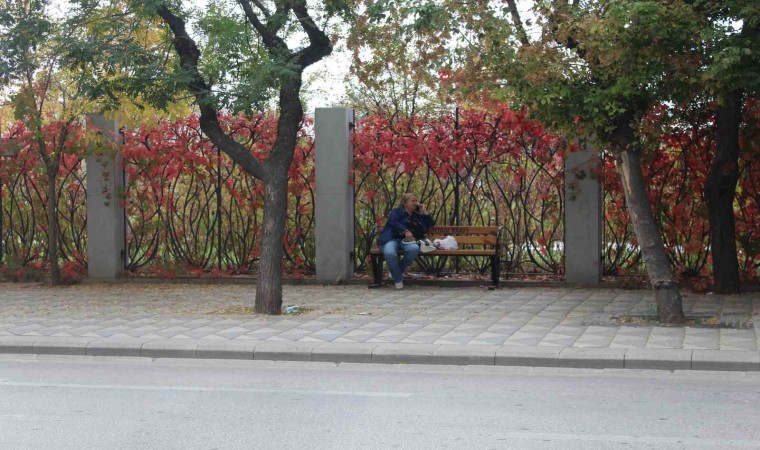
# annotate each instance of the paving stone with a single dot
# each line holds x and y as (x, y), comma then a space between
(326, 335)
(697, 346)
(608, 332)
(244, 337)
(146, 328)
(392, 334)
(539, 322)
(351, 340)
(21, 330)
(491, 334)
(675, 344)
(629, 344)
(293, 334)
(386, 339)
(557, 341)
(414, 339)
(230, 333)
(739, 347)
(593, 344)
(196, 334)
(262, 335)
(425, 334)
(458, 339)
(166, 333)
(487, 341)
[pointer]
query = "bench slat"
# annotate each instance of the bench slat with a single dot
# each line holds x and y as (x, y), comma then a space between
(466, 252)
(456, 230)
(461, 253)
(469, 240)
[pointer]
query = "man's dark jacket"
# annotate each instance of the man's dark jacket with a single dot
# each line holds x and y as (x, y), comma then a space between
(399, 221)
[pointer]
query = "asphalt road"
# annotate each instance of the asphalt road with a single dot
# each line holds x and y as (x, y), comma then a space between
(122, 403)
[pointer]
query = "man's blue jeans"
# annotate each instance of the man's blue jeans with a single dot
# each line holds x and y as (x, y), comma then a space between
(396, 267)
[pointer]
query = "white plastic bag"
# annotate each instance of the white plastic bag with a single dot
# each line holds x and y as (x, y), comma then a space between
(447, 243)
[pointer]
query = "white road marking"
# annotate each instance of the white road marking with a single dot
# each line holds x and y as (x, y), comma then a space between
(687, 441)
(202, 389)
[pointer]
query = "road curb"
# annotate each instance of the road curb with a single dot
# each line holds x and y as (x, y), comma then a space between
(481, 355)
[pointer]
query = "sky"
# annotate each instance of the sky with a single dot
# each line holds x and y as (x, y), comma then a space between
(328, 80)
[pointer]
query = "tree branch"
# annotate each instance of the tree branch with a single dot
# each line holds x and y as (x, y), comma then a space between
(262, 8)
(320, 45)
(553, 22)
(521, 34)
(270, 38)
(282, 8)
(189, 55)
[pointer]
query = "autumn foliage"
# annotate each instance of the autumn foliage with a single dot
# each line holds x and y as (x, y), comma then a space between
(677, 172)
(470, 167)
(192, 212)
(24, 200)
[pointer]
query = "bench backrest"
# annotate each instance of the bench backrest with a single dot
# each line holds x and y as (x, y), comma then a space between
(480, 236)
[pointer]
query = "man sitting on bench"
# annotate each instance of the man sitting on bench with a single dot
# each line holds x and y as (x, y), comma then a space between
(404, 226)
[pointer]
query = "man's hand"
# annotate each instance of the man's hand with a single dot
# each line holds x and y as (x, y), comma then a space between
(422, 208)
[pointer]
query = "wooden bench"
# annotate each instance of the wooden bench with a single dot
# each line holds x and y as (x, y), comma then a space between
(472, 241)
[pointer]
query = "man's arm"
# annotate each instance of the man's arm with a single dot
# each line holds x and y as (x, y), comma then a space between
(394, 222)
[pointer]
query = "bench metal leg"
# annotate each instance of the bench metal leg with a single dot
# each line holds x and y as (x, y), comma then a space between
(495, 270)
(377, 271)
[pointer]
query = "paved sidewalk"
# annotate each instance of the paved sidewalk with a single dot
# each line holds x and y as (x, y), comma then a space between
(562, 327)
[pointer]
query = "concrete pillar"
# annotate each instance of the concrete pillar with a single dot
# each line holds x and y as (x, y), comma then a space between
(583, 217)
(106, 238)
(334, 209)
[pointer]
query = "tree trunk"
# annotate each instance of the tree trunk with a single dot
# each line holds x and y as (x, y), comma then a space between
(52, 219)
(273, 172)
(269, 285)
(667, 294)
(720, 188)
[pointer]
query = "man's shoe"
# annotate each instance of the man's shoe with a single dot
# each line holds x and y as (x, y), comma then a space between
(400, 285)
